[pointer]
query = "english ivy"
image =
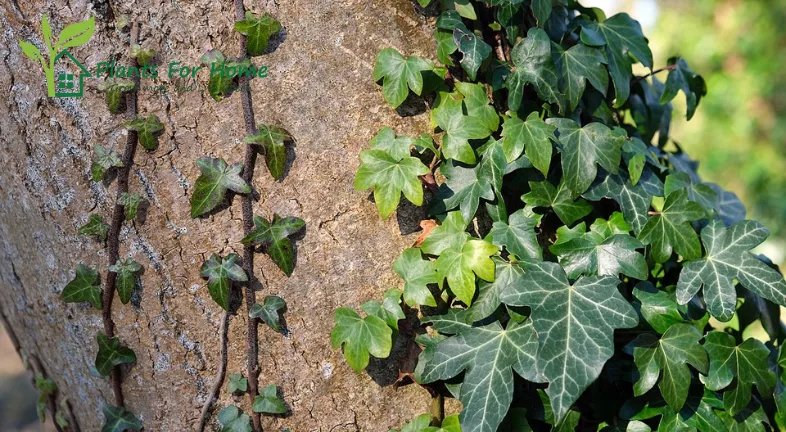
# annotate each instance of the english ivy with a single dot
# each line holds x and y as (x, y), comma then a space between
(211, 187)
(119, 419)
(105, 159)
(148, 129)
(258, 31)
(269, 402)
(274, 236)
(271, 139)
(111, 354)
(126, 277)
(83, 288)
(219, 273)
(562, 282)
(95, 226)
(269, 311)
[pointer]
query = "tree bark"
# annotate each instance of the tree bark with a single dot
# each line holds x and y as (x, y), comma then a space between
(320, 88)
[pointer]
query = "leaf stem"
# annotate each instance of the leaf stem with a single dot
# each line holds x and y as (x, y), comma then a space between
(657, 71)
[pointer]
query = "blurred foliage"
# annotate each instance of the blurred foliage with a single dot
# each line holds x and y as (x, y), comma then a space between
(739, 131)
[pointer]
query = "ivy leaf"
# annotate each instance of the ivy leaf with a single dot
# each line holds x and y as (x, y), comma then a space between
(728, 258)
(219, 271)
(624, 43)
(578, 65)
(130, 203)
(534, 65)
(728, 206)
(118, 419)
(518, 236)
(271, 139)
(506, 275)
(389, 310)
(575, 326)
(83, 288)
(449, 424)
(459, 128)
(126, 277)
(220, 85)
(751, 419)
(658, 308)
(211, 186)
(360, 337)
(106, 158)
(398, 74)
(487, 354)
(672, 353)
(473, 48)
(697, 192)
(544, 194)
(269, 311)
(417, 274)
(464, 189)
(114, 91)
(269, 402)
(452, 234)
(671, 229)
(477, 103)
(143, 56)
(459, 267)
(636, 154)
(257, 32)
(233, 420)
(542, 11)
(533, 134)
(681, 77)
(274, 238)
(585, 148)
(95, 226)
(237, 383)
(147, 129)
(111, 354)
(397, 147)
(634, 200)
(600, 253)
(446, 46)
(746, 362)
(390, 177)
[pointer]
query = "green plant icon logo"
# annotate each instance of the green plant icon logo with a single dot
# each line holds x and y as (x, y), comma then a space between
(69, 83)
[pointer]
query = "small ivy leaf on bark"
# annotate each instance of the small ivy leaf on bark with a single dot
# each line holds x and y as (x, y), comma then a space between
(533, 136)
(143, 56)
(130, 203)
(274, 238)
(147, 129)
(272, 140)
(360, 337)
(518, 236)
(220, 85)
(83, 288)
(111, 354)
(459, 266)
(105, 159)
(210, 188)
(269, 311)
(257, 31)
(399, 75)
(746, 362)
(95, 226)
(729, 258)
(234, 420)
(219, 271)
(114, 91)
(389, 310)
(544, 194)
(390, 177)
(119, 419)
(575, 326)
(269, 402)
(533, 65)
(449, 424)
(417, 274)
(237, 383)
(671, 229)
(672, 354)
(126, 277)
(681, 77)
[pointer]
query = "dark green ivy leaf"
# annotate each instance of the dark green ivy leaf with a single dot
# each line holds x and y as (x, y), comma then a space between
(746, 362)
(148, 129)
(219, 271)
(269, 402)
(360, 337)
(95, 226)
(672, 353)
(399, 74)
(728, 258)
(634, 200)
(220, 85)
(681, 77)
(464, 189)
(473, 48)
(257, 32)
(697, 192)
(274, 238)
(542, 10)
(269, 311)
(575, 326)
(417, 274)
(237, 383)
(659, 308)
(130, 203)
(544, 194)
(126, 277)
(111, 354)
(578, 65)
(83, 288)
(234, 420)
(534, 135)
(670, 229)
(534, 65)
(210, 188)
(105, 159)
(115, 90)
(271, 139)
(518, 236)
(118, 419)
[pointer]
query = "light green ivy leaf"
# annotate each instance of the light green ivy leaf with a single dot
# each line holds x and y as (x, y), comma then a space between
(130, 203)
(105, 159)
(534, 135)
(459, 267)
(237, 383)
(360, 337)
(417, 274)
(389, 310)
(95, 226)
(398, 74)
(234, 420)
(257, 31)
(269, 402)
(390, 177)
(148, 129)
(518, 236)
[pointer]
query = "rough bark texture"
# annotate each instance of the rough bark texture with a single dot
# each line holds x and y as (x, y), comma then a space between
(320, 89)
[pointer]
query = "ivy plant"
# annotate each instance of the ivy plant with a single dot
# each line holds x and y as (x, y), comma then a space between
(577, 274)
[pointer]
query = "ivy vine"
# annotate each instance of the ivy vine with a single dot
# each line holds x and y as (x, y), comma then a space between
(575, 257)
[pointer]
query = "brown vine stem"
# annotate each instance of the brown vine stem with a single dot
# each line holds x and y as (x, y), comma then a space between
(113, 238)
(222, 370)
(655, 72)
(248, 224)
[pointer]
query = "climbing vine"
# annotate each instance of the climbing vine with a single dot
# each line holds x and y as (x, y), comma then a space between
(575, 259)
(217, 181)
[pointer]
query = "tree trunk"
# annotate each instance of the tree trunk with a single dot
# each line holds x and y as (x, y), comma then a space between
(320, 88)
